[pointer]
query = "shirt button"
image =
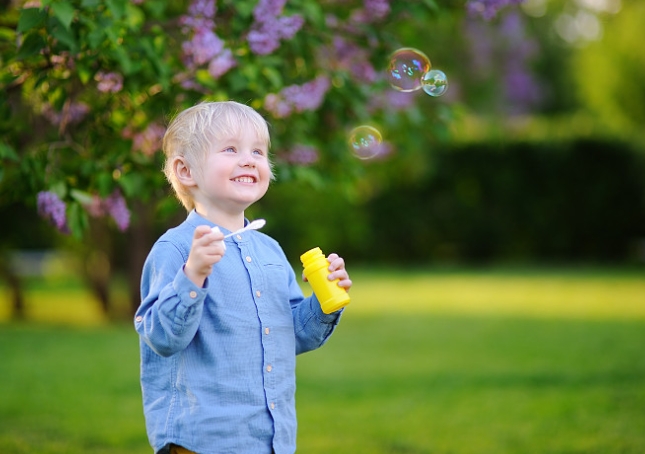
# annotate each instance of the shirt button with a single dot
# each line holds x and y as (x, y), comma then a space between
(140, 319)
(266, 330)
(258, 293)
(272, 406)
(193, 294)
(269, 368)
(239, 237)
(248, 259)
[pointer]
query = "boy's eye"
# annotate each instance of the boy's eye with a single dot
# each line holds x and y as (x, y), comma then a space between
(229, 150)
(258, 152)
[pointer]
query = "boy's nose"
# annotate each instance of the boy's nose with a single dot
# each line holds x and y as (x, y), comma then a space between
(246, 160)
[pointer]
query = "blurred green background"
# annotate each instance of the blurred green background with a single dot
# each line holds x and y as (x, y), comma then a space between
(497, 253)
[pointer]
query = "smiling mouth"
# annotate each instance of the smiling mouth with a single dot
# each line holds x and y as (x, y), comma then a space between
(244, 179)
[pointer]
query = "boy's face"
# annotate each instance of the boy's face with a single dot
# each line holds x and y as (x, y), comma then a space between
(236, 173)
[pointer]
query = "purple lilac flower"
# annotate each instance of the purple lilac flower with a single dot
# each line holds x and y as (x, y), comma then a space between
(308, 96)
(488, 9)
(289, 25)
(350, 57)
(263, 42)
(73, 112)
(385, 149)
(377, 9)
(372, 11)
(205, 8)
(269, 28)
(298, 98)
(376, 151)
(268, 8)
(95, 207)
(149, 141)
(204, 46)
(63, 61)
(303, 155)
(52, 208)
(116, 207)
(277, 105)
(508, 49)
(109, 82)
(521, 87)
(221, 64)
(391, 101)
(478, 34)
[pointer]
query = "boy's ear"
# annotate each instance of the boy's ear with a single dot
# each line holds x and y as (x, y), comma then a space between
(182, 172)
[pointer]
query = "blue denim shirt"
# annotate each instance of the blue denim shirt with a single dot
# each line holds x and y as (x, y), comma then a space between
(218, 362)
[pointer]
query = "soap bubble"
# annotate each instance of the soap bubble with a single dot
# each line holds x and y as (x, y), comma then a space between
(365, 141)
(406, 68)
(435, 82)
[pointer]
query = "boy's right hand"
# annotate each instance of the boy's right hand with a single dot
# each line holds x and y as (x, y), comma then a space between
(207, 249)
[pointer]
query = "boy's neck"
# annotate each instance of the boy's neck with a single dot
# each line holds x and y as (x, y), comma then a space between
(229, 221)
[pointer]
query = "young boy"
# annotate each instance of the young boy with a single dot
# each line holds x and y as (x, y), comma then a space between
(221, 320)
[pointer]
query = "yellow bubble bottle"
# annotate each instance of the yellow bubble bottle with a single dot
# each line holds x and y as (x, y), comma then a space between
(329, 294)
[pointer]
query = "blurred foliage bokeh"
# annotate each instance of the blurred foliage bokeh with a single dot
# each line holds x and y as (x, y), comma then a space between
(535, 154)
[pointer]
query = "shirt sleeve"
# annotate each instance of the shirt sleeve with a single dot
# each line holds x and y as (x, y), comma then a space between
(312, 326)
(172, 305)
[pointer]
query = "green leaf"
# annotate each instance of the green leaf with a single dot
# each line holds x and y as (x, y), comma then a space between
(7, 152)
(84, 198)
(64, 36)
(132, 184)
(7, 34)
(95, 38)
(77, 219)
(432, 4)
(124, 60)
(156, 8)
(59, 188)
(64, 12)
(31, 18)
(154, 58)
(314, 14)
(274, 77)
(116, 7)
(84, 74)
(244, 9)
(90, 4)
(31, 45)
(104, 182)
(310, 176)
(135, 17)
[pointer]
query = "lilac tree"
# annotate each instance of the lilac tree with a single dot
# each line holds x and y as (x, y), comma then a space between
(87, 87)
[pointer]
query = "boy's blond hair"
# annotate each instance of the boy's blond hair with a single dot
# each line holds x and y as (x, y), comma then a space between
(191, 132)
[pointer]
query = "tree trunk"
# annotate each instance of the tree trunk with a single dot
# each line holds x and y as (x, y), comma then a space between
(15, 288)
(140, 239)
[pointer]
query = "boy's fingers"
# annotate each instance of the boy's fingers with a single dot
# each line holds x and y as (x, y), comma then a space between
(201, 230)
(336, 263)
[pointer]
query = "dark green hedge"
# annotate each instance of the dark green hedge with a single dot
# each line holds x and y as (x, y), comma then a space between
(577, 201)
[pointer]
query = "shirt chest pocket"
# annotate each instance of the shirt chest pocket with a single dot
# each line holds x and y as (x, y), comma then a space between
(275, 293)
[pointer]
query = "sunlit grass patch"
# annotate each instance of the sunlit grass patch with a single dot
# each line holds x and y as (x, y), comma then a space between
(547, 293)
(61, 301)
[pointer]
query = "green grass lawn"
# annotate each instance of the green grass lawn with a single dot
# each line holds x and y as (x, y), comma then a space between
(539, 361)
